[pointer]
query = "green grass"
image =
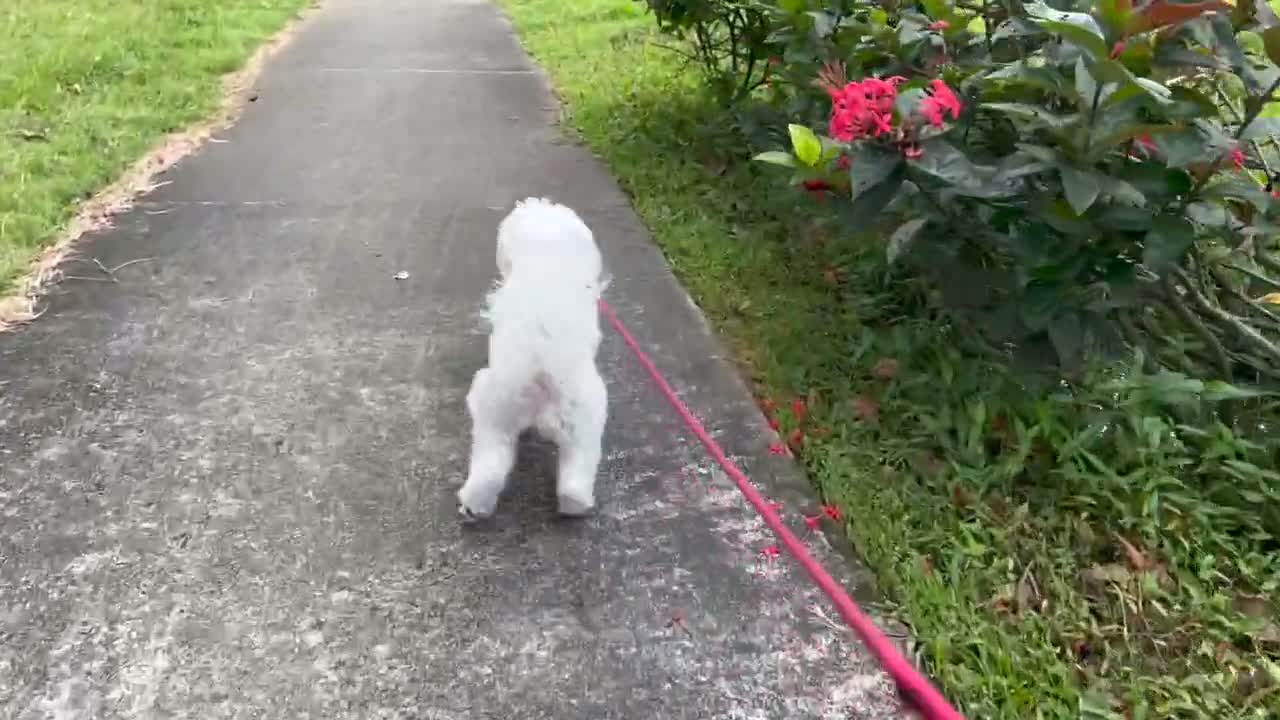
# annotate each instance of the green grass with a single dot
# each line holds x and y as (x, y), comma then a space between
(1044, 578)
(88, 86)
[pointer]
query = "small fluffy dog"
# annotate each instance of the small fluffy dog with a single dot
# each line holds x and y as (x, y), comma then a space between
(544, 334)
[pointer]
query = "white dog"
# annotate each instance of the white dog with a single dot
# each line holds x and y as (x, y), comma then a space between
(542, 373)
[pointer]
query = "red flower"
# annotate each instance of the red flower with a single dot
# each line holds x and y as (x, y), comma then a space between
(778, 448)
(859, 109)
(816, 188)
(813, 522)
(1275, 194)
(770, 553)
(798, 409)
(796, 439)
(1117, 49)
(941, 102)
(1236, 156)
(939, 25)
(843, 163)
(832, 512)
(774, 425)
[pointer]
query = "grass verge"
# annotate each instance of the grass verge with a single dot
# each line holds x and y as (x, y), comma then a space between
(1059, 556)
(88, 86)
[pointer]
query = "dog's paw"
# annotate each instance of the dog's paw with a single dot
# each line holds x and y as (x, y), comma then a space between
(468, 515)
(575, 507)
(472, 511)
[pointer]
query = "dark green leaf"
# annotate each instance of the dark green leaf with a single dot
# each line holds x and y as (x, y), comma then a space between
(1079, 28)
(1175, 55)
(1187, 103)
(1167, 242)
(1208, 214)
(1181, 148)
(1014, 28)
(1122, 192)
(1123, 218)
(1240, 187)
(1261, 128)
(1080, 187)
(942, 161)
(1158, 184)
(869, 166)
(1021, 72)
(1022, 163)
(1034, 113)
(1067, 334)
(823, 23)
(1225, 36)
(873, 200)
(901, 238)
(1086, 86)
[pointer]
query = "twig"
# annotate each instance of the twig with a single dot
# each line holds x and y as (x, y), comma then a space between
(1246, 332)
(88, 279)
(1174, 301)
(1131, 333)
(111, 272)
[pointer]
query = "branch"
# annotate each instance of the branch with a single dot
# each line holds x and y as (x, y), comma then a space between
(1246, 333)
(1255, 275)
(1211, 342)
(1263, 258)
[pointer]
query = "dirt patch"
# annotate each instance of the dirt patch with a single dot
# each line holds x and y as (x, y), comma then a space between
(21, 305)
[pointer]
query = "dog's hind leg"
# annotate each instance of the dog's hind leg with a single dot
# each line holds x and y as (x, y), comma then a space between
(585, 410)
(493, 447)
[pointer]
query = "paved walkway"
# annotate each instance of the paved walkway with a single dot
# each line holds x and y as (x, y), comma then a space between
(226, 481)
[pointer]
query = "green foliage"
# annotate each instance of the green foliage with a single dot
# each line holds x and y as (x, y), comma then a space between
(727, 38)
(87, 86)
(1099, 548)
(1107, 186)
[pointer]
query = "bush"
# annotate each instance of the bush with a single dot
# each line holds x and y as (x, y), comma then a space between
(1102, 179)
(728, 39)
(1072, 186)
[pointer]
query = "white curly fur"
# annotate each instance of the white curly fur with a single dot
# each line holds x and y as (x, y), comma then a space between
(544, 334)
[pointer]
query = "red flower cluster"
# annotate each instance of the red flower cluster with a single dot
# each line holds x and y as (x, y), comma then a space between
(863, 109)
(1236, 156)
(940, 101)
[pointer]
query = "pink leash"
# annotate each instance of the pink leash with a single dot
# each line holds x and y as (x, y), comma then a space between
(914, 686)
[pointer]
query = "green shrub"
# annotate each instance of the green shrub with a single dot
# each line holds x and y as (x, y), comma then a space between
(1063, 186)
(727, 37)
(1105, 184)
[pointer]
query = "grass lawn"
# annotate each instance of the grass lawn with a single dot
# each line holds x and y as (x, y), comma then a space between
(1057, 599)
(88, 86)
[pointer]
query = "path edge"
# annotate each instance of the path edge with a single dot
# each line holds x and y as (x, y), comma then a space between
(20, 305)
(780, 478)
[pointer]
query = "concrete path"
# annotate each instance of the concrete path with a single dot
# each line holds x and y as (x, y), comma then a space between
(226, 481)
